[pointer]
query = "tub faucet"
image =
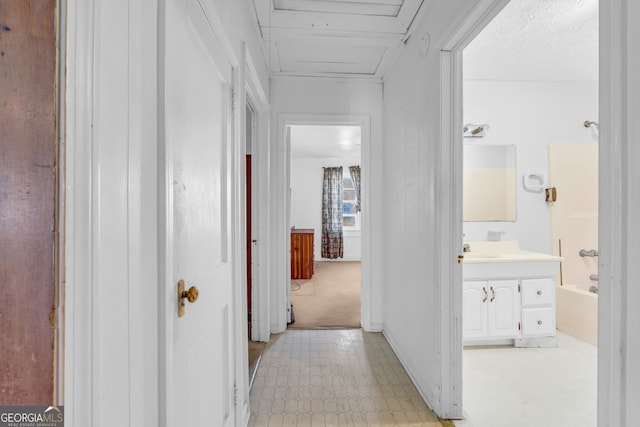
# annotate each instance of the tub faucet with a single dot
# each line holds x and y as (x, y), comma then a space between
(466, 247)
(589, 253)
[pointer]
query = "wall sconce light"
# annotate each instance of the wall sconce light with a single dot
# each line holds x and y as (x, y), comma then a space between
(474, 131)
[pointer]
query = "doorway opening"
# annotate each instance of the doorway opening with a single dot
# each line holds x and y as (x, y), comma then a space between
(249, 132)
(529, 87)
(255, 348)
(325, 225)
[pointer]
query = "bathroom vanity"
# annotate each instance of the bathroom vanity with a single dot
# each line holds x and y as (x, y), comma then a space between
(508, 295)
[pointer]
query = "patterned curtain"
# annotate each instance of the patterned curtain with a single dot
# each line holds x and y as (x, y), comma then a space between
(355, 177)
(332, 242)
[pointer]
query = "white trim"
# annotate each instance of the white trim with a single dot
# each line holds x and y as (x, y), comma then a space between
(165, 233)
(473, 24)
(427, 394)
(326, 77)
(79, 357)
(282, 257)
(260, 202)
(450, 206)
(216, 26)
(613, 259)
(239, 239)
(450, 242)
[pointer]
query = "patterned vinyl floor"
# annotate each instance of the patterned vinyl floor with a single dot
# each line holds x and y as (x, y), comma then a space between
(329, 378)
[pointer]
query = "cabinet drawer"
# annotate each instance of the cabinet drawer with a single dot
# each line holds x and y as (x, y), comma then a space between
(537, 292)
(538, 322)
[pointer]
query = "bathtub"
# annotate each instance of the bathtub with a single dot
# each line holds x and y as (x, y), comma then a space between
(577, 312)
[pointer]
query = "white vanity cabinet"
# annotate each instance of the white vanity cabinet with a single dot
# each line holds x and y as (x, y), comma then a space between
(538, 307)
(509, 298)
(491, 309)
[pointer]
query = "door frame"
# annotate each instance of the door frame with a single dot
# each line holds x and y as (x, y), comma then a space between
(260, 200)
(614, 263)
(450, 203)
(282, 289)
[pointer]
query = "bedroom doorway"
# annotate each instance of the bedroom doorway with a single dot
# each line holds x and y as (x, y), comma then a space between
(325, 289)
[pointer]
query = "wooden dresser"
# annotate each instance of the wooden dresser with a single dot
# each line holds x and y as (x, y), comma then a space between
(301, 253)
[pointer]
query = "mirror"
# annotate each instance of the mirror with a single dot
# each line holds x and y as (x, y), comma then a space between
(489, 182)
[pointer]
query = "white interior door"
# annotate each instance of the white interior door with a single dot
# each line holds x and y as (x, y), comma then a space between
(199, 383)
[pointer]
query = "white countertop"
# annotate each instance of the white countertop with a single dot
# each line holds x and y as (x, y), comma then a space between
(504, 251)
(519, 256)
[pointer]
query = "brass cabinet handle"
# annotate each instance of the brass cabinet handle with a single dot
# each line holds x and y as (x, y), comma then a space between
(539, 292)
(190, 295)
(539, 322)
(485, 294)
(493, 294)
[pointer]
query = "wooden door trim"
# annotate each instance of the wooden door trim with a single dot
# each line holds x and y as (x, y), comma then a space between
(29, 177)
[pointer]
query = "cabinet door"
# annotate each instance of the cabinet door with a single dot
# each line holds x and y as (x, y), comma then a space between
(301, 255)
(474, 306)
(504, 309)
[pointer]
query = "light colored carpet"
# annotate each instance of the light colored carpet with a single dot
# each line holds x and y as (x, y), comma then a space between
(330, 299)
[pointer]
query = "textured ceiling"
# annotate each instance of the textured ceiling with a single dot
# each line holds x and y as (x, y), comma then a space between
(537, 40)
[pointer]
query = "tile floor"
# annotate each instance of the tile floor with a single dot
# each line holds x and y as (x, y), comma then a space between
(531, 387)
(329, 378)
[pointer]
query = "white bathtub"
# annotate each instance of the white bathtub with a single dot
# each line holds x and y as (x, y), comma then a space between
(577, 312)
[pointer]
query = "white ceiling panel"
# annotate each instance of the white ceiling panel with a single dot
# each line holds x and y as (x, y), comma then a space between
(350, 7)
(327, 55)
(334, 38)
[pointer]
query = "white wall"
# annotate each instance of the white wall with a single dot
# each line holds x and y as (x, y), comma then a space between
(414, 170)
(306, 202)
(530, 115)
(328, 98)
(111, 196)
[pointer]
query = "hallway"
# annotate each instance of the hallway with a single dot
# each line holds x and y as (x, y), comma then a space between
(143, 85)
(344, 377)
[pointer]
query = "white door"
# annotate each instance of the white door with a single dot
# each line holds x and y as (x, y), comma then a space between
(196, 118)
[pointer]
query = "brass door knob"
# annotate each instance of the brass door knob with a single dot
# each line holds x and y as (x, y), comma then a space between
(190, 295)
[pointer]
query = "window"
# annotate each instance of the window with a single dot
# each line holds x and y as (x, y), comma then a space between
(350, 214)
